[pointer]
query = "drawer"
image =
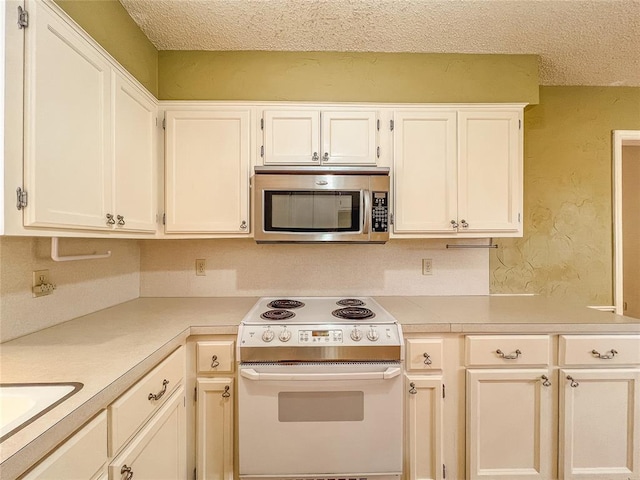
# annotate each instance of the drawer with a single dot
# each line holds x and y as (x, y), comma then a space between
(81, 456)
(506, 350)
(424, 354)
(601, 350)
(129, 412)
(215, 357)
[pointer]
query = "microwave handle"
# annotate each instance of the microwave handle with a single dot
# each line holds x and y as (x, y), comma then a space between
(366, 221)
(251, 374)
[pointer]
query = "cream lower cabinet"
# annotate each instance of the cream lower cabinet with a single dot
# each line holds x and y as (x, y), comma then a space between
(207, 171)
(458, 172)
(83, 456)
(158, 451)
(510, 430)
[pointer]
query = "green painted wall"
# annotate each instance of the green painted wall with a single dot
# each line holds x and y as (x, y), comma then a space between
(347, 77)
(566, 250)
(111, 26)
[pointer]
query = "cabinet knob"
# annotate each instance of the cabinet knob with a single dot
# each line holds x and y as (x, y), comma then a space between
(120, 220)
(315, 157)
(412, 389)
(427, 358)
(545, 381)
(214, 361)
(325, 157)
(110, 219)
(573, 383)
(226, 393)
(464, 223)
(128, 471)
(454, 224)
(243, 225)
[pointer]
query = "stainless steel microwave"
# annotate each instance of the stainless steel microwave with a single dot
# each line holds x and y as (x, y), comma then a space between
(321, 204)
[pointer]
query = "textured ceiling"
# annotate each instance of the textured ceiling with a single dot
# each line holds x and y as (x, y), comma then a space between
(580, 42)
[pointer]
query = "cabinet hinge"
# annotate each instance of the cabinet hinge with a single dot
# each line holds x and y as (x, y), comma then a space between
(195, 394)
(518, 218)
(378, 152)
(164, 123)
(164, 218)
(519, 124)
(444, 394)
(391, 219)
(444, 471)
(23, 18)
(22, 199)
(262, 151)
(262, 124)
(378, 124)
(195, 474)
(624, 306)
(391, 124)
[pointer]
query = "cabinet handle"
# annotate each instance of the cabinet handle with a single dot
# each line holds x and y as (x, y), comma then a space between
(325, 157)
(128, 471)
(315, 157)
(454, 224)
(120, 220)
(604, 356)
(159, 395)
(511, 356)
(243, 225)
(573, 384)
(110, 219)
(214, 361)
(412, 390)
(427, 359)
(226, 393)
(464, 223)
(545, 381)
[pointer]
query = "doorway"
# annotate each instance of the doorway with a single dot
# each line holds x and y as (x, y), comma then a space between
(626, 206)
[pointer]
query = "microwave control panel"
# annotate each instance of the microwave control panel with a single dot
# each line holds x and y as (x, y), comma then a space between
(379, 211)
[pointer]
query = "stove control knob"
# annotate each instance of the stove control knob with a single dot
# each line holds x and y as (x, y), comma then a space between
(268, 335)
(285, 335)
(372, 335)
(356, 335)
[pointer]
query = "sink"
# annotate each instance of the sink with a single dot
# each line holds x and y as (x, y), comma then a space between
(22, 403)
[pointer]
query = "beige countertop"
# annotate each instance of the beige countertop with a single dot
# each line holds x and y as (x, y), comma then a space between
(108, 351)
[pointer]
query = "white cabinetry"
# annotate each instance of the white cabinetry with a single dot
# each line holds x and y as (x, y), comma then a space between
(214, 410)
(510, 430)
(600, 407)
(83, 456)
(207, 171)
(313, 137)
(458, 172)
(89, 155)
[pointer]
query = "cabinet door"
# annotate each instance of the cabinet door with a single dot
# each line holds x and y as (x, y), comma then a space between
(214, 429)
(599, 424)
(291, 137)
(349, 138)
(207, 171)
(424, 172)
(134, 166)
(509, 424)
(81, 456)
(424, 428)
(489, 171)
(158, 451)
(67, 153)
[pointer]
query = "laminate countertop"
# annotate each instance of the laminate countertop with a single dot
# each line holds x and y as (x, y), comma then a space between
(108, 351)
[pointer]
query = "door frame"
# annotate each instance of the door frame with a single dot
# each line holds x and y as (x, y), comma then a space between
(620, 138)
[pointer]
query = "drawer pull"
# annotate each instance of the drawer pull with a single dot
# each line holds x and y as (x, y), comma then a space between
(604, 356)
(545, 381)
(573, 384)
(159, 395)
(128, 471)
(226, 393)
(412, 390)
(511, 356)
(214, 361)
(427, 359)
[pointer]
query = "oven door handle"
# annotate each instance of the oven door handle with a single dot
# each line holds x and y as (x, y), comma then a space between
(252, 374)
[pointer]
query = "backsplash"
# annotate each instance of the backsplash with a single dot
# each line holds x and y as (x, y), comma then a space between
(82, 286)
(240, 267)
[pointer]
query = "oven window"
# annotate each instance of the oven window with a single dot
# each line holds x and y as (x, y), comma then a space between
(312, 211)
(321, 406)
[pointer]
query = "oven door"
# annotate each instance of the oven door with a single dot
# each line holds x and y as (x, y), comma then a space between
(315, 419)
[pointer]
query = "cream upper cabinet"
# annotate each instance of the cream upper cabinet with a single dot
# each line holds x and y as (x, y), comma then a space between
(207, 171)
(308, 136)
(67, 154)
(89, 134)
(458, 172)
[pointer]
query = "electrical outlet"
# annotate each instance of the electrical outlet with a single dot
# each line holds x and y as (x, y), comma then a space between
(201, 266)
(41, 285)
(427, 266)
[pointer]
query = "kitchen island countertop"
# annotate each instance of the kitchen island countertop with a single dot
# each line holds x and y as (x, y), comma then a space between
(109, 350)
